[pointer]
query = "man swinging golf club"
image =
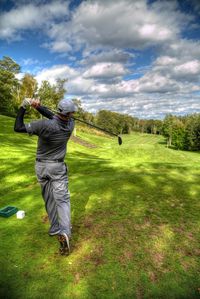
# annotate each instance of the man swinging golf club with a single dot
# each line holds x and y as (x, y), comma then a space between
(53, 135)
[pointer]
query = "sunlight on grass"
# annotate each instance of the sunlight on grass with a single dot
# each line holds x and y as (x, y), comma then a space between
(161, 242)
(13, 179)
(79, 289)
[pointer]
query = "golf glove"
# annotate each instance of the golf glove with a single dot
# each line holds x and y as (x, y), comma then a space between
(35, 103)
(26, 103)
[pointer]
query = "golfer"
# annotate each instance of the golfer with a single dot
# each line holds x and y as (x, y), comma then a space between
(53, 135)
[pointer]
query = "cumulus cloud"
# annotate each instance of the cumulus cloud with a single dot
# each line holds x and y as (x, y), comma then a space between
(105, 70)
(188, 71)
(146, 106)
(112, 56)
(29, 17)
(144, 96)
(58, 46)
(56, 72)
(182, 62)
(184, 49)
(80, 87)
(120, 24)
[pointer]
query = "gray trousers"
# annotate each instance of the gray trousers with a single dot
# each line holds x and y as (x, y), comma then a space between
(53, 179)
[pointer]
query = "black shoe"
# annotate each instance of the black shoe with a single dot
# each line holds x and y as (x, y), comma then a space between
(64, 244)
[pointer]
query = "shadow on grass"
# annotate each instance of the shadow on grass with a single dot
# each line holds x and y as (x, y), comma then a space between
(135, 234)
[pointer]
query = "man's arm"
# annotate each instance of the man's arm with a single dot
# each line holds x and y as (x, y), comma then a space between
(19, 121)
(35, 103)
(45, 112)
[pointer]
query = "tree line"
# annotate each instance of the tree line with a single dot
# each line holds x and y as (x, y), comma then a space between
(13, 90)
(181, 132)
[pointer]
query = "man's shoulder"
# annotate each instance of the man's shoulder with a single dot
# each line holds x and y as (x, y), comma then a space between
(43, 122)
(40, 124)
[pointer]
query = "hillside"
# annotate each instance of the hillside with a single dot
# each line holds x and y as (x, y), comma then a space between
(135, 216)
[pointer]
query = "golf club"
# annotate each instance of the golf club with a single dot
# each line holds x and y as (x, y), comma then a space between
(101, 129)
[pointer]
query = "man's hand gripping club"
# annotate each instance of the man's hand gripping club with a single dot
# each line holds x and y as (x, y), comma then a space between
(27, 102)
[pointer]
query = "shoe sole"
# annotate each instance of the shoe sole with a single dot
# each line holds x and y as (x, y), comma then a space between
(64, 243)
(54, 234)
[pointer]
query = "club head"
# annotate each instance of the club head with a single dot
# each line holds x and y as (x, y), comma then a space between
(119, 140)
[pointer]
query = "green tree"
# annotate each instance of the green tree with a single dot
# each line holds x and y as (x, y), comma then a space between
(80, 112)
(50, 94)
(26, 89)
(179, 135)
(28, 86)
(152, 126)
(174, 130)
(108, 120)
(168, 128)
(8, 85)
(193, 132)
(116, 122)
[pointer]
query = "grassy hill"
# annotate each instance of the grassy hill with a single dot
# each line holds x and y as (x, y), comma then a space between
(135, 217)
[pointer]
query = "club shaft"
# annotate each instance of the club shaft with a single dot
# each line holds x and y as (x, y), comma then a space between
(91, 125)
(94, 126)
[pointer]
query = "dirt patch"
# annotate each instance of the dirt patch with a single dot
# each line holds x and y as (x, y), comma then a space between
(190, 236)
(88, 223)
(153, 277)
(77, 278)
(82, 142)
(96, 256)
(45, 219)
(126, 257)
(158, 259)
(139, 292)
(186, 265)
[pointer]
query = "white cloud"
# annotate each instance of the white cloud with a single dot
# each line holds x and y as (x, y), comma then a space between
(30, 16)
(182, 63)
(19, 76)
(105, 70)
(165, 61)
(151, 95)
(120, 24)
(29, 61)
(149, 31)
(56, 72)
(146, 106)
(58, 46)
(111, 56)
(188, 68)
(154, 82)
(79, 86)
(184, 49)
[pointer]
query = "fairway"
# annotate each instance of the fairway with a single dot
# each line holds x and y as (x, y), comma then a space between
(135, 217)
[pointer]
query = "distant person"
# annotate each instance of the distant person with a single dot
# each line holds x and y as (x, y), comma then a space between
(53, 135)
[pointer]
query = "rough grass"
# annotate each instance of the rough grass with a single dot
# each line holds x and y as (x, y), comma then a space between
(135, 216)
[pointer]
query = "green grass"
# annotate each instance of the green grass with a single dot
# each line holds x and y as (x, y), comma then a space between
(135, 216)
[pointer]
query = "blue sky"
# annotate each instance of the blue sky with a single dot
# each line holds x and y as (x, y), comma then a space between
(136, 57)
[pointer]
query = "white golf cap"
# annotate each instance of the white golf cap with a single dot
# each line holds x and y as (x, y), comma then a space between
(65, 106)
